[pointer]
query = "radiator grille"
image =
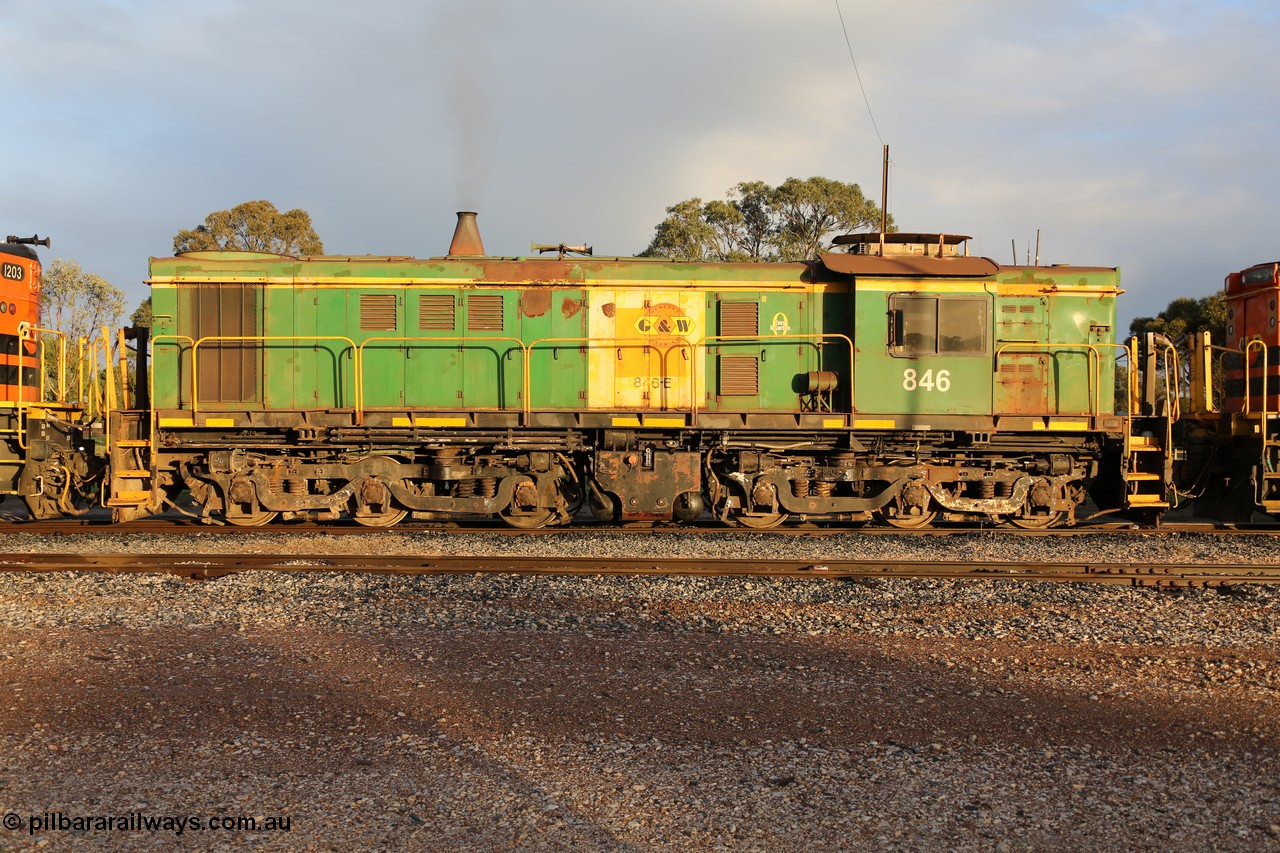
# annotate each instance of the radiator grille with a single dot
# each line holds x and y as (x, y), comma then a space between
(739, 375)
(436, 312)
(377, 312)
(740, 318)
(484, 314)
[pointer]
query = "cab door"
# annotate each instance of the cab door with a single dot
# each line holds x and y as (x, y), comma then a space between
(1022, 361)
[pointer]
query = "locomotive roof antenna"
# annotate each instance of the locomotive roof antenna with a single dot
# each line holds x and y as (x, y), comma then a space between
(1037, 247)
(884, 194)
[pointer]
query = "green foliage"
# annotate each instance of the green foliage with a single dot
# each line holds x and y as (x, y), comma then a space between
(756, 222)
(76, 302)
(79, 304)
(685, 234)
(254, 226)
(812, 211)
(1185, 315)
(141, 315)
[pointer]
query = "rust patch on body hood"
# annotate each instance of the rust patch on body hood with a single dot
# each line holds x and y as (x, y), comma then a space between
(535, 301)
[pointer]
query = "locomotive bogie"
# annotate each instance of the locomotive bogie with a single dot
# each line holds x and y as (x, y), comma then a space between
(907, 480)
(249, 487)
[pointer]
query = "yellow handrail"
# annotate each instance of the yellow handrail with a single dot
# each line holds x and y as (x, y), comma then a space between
(1248, 389)
(109, 405)
(764, 340)
(151, 387)
(80, 368)
(432, 340)
(124, 369)
(1128, 375)
(27, 332)
(1174, 393)
(99, 352)
(269, 339)
(1243, 352)
(1094, 362)
(607, 343)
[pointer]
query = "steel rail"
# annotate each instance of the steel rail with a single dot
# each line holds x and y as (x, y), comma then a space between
(179, 525)
(208, 566)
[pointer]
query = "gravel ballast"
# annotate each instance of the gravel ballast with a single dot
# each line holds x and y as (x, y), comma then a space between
(542, 712)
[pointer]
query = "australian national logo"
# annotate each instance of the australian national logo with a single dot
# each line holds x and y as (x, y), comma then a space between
(664, 322)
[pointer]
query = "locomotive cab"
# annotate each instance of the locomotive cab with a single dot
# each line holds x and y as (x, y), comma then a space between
(19, 313)
(1251, 385)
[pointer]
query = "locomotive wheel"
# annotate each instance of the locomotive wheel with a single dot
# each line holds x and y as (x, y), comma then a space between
(913, 496)
(386, 518)
(524, 512)
(910, 522)
(527, 520)
(1036, 522)
(56, 493)
(758, 522)
(380, 496)
(42, 506)
(255, 519)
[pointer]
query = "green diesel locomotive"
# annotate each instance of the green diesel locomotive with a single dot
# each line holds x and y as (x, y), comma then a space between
(898, 380)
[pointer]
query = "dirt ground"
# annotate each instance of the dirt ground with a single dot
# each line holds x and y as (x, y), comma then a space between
(661, 738)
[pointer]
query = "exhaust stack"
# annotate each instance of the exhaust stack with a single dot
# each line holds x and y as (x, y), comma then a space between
(466, 236)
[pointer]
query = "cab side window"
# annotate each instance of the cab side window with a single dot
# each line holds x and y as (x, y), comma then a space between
(938, 325)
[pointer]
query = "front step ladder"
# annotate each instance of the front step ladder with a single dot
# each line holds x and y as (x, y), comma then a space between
(1147, 470)
(1147, 464)
(131, 488)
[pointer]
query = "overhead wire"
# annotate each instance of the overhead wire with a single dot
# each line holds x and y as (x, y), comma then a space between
(844, 29)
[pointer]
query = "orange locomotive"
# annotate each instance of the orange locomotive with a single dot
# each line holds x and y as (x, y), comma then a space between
(45, 456)
(1231, 433)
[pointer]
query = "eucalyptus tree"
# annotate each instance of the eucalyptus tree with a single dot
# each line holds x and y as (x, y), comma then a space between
(253, 226)
(793, 221)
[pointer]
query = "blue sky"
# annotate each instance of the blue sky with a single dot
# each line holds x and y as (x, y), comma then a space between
(1134, 134)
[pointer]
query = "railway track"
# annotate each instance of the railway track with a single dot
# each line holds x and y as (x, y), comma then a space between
(99, 521)
(209, 566)
(165, 525)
